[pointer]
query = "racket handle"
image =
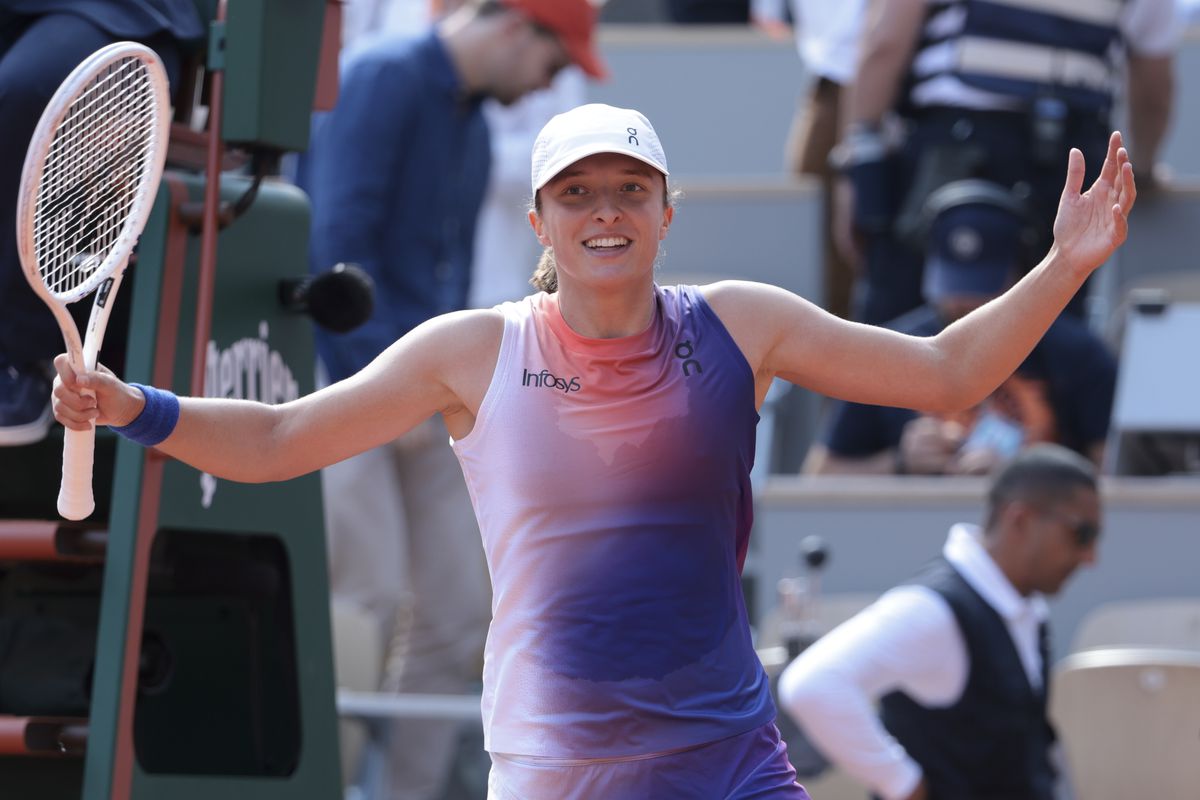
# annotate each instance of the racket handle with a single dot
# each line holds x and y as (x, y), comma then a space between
(75, 499)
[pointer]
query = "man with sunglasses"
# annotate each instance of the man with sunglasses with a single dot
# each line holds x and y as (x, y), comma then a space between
(956, 659)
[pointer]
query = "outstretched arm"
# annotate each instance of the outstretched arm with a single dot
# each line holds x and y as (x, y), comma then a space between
(435, 368)
(1090, 226)
(782, 334)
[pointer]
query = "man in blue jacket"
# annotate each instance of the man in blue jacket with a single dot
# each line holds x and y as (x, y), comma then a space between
(397, 173)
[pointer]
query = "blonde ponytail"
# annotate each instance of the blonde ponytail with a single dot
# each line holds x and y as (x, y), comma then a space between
(545, 275)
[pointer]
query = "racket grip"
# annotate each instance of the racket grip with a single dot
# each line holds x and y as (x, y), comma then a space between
(75, 499)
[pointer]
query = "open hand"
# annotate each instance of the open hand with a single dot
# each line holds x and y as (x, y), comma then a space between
(1091, 225)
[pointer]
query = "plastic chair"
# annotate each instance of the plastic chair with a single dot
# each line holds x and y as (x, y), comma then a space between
(1128, 719)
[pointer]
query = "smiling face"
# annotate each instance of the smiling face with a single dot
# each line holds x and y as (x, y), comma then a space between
(604, 215)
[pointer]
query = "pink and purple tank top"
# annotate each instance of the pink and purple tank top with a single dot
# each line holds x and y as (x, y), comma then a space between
(611, 479)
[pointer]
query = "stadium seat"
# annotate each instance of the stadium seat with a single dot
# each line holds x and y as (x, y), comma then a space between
(1168, 623)
(1155, 428)
(1169, 286)
(1128, 719)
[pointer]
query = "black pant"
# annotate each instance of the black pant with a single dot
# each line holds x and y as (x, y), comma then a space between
(36, 54)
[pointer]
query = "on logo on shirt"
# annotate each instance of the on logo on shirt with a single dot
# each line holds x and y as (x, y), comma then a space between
(684, 352)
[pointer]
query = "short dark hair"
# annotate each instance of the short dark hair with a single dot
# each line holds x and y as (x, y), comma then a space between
(1041, 475)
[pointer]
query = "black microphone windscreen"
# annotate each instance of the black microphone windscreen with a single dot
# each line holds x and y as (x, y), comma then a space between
(342, 299)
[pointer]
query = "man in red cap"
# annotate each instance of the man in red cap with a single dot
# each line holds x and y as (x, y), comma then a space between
(397, 173)
(573, 22)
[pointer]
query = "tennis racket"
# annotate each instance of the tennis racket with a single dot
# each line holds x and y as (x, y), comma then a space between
(90, 178)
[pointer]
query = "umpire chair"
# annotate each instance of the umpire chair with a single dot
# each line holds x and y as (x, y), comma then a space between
(177, 645)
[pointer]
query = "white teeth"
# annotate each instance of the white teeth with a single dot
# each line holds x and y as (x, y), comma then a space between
(608, 241)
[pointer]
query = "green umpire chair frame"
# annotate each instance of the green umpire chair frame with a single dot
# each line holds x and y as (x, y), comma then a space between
(177, 644)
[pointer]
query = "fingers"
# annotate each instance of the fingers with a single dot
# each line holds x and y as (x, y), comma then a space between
(66, 372)
(72, 407)
(1124, 193)
(1120, 224)
(1075, 170)
(1126, 187)
(1112, 160)
(79, 380)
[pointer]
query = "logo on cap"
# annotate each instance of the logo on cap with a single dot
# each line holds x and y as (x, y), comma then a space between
(965, 243)
(591, 129)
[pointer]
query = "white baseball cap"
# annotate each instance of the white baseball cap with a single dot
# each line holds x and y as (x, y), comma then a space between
(590, 129)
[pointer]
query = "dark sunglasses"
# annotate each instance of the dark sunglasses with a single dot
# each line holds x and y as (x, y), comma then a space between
(1085, 531)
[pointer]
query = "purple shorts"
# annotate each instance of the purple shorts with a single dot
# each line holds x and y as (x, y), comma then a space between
(749, 766)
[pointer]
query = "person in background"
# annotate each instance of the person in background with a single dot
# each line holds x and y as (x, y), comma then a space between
(957, 658)
(41, 41)
(504, 248)
(1063, 392)
(994, 90)
(397, 173)
(827, 40)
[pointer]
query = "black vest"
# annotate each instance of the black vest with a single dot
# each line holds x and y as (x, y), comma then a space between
(994, 743)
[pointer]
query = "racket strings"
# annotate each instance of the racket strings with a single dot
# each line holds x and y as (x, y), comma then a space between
(99, 158)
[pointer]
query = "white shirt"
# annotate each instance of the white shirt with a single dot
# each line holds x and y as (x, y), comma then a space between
(506, 249)
(827, 33)
(907, 640)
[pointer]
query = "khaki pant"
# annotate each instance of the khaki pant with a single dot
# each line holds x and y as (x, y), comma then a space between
(404, 545)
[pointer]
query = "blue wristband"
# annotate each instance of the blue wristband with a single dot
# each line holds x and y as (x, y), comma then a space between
(157, 420)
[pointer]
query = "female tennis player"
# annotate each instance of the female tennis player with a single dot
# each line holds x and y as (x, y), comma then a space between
(606, 429)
